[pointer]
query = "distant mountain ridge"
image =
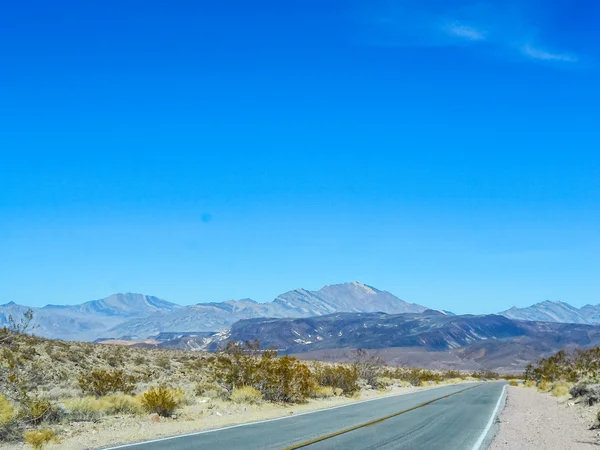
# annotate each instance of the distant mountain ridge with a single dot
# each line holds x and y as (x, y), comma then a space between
(87, 320)
(345, 297)
(434, 338)
(136, 316)
(552, 311)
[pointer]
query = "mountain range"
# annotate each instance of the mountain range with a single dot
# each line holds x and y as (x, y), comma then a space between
(137, 316)
(549, 311)
(428, 339)
(88, 320)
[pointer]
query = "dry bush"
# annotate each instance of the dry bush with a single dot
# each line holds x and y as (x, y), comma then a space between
(7, 413)
(513, 383)
(284, 379)
(345, 378)
(368, 367)
(322, 392)
(246, 394)
(102, 382)
(159, 400)
(86, 409)
(122, 404)
(38, 439)
(560, 389)
(530, 383)
(35, 410)
(544, 386)
(589, 392)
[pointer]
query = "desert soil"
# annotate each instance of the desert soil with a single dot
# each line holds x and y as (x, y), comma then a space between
(536, 421)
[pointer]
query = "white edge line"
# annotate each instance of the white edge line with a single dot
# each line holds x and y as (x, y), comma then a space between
(196, 433)
(487, 428)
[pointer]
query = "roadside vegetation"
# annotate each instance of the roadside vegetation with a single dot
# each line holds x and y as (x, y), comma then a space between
(575, 373)
(47, 384)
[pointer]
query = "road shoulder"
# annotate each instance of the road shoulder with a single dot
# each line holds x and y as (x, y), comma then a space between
(532, 421)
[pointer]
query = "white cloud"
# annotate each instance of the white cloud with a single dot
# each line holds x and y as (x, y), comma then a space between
(464, 31)
(543, 55)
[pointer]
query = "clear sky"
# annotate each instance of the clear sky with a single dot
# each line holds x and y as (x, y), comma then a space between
(447, 151)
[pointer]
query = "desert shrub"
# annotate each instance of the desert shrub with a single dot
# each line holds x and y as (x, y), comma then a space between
(122, 404)
(7, 413)
(86, 409)
(513, 383)
(160, 400)
(486, 374)
(588, 392)
(345, 378)
(246, 394)
(210, 390)
(282, 379)
(35, 410)
(102, 382)
(560, 389)
(139, 360)
(367, 367)
(544, 386)
(183, 397)
(322, 392)
(529, 383)
(11, 431)
(163, 362)
(39, 438)
(383, 383)
(567, 366)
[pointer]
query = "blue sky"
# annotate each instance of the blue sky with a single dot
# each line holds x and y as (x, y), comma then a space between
(446, 151)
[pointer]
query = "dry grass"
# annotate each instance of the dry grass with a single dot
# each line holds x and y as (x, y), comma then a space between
(38, 439)
(246, 394)
(544, 386)
(560, 389)
(7, 413)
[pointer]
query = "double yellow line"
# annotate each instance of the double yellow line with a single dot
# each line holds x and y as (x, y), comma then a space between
(373, 422)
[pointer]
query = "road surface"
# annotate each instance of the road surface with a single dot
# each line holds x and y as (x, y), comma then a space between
(457, 417)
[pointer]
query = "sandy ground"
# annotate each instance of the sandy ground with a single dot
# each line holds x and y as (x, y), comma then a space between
(203, 415)
(535, 421)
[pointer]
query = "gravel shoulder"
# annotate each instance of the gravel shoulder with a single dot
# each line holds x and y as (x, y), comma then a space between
(534, 421)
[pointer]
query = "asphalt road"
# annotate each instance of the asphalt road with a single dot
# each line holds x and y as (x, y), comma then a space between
(454, 417)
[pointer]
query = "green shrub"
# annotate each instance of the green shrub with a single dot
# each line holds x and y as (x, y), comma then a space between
(246, 394)
(102, 382)
(513, 383)
(38, 439)
(337, 376)
(530, 383)
(284, 379)
(159, 400)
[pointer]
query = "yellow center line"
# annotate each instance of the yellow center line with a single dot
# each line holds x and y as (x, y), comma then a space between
(372, 422)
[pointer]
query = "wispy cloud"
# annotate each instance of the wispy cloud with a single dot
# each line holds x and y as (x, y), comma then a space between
(542, 55)
(464, 31)
(510, 29)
